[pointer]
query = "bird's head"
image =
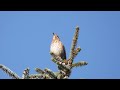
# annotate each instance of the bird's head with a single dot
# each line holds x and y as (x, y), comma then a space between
(55, 37)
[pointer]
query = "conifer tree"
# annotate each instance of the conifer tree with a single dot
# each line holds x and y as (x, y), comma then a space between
(65, 66)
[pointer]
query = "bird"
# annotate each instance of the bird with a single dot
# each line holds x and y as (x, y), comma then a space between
(57, 47)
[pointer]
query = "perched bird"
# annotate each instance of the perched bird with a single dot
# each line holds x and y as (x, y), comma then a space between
(57, 48)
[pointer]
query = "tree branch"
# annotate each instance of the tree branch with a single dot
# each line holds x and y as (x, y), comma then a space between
(81, 63)
(26, 73)
(36, 76)
(76, 51)
(38, 70)
(62, 64)
(74, 43)
(50, 73)
(9, 72)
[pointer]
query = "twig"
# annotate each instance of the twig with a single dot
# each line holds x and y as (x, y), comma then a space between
(39, 71)
(43, 73)
(50, 73)
(81, 63)
(74, 43)
(9, 72)
(76, 51)
(36, 76)
(56, 57)
(26, 74)
(62, 64)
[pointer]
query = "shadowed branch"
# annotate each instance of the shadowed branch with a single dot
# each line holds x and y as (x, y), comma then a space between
(39, 71)
(36, 76)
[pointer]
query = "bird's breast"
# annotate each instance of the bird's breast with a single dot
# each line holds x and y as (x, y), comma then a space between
(56, 48)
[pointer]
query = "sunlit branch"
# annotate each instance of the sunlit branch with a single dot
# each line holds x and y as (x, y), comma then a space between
(50, 73)
(26, 74)
(9, 72)
(74, 43)
(81, 63)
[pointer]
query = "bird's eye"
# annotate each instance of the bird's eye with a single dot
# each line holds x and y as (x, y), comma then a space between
(57, 37)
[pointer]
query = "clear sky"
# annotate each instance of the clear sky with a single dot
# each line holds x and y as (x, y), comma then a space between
(25, 38)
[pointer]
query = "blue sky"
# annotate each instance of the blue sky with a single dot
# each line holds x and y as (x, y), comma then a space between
(25, 38)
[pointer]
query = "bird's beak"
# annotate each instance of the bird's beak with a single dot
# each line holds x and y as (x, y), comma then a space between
(53, 33)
